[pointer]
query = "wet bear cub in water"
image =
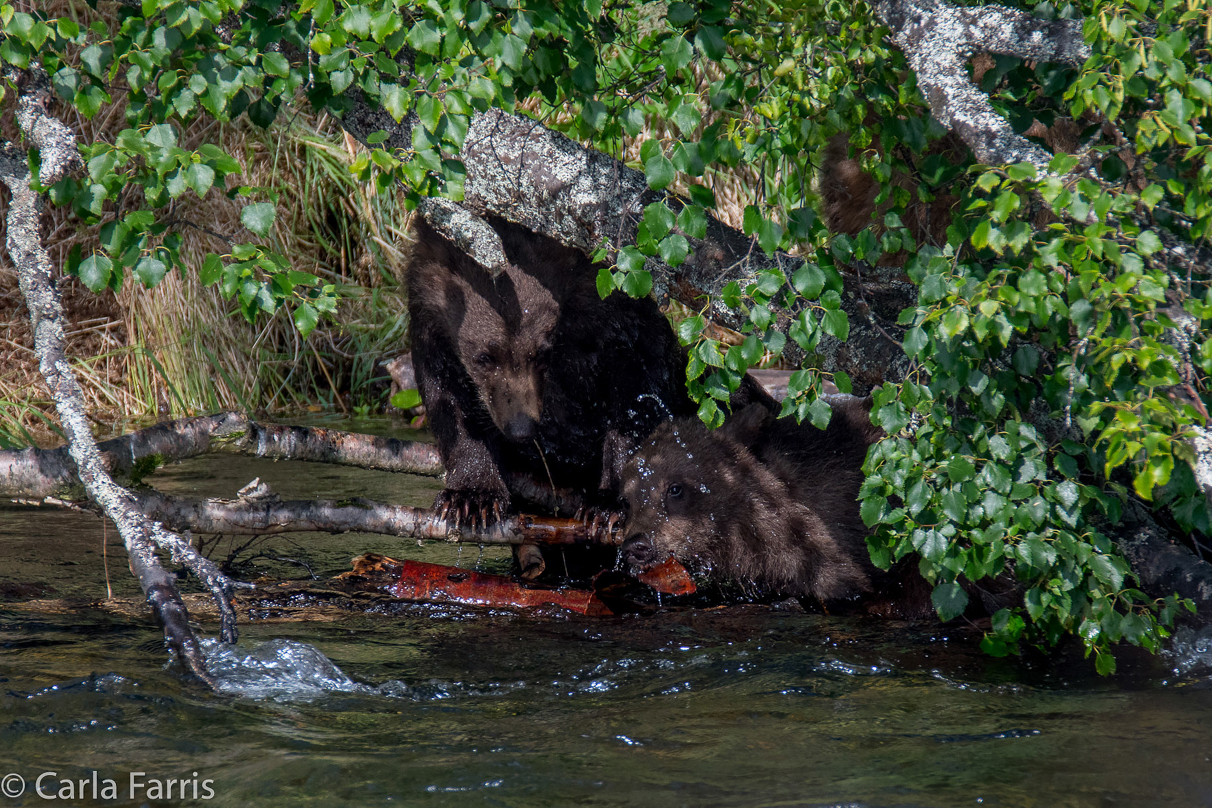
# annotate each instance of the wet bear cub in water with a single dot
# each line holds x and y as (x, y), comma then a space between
(533, 372)
(765, 503)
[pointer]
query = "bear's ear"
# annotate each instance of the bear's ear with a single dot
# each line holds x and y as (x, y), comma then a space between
(746, 426)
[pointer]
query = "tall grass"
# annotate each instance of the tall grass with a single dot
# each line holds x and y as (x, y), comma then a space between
(181, 348)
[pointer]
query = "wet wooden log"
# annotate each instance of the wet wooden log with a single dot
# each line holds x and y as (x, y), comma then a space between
(39, 473)
(270, 515)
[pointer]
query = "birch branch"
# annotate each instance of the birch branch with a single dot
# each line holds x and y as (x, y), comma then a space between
(57, 148)
(939, 39)
(268, 515)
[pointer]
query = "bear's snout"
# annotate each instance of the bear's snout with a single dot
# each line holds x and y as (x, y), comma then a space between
(638, 551)
(521, 428)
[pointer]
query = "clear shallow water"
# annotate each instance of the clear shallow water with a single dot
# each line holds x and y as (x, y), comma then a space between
(440, 706)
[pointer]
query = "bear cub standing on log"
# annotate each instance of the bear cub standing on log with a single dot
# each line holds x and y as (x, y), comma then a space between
(766, 503)
(533, 372)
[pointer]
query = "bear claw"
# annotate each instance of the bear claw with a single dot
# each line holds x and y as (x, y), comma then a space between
(473, 510)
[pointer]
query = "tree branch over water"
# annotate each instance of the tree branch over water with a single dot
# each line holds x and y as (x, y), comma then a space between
(57, 148)
(266, 514)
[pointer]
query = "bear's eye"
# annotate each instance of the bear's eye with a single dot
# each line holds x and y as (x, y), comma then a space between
(486, 360)
(675, 491)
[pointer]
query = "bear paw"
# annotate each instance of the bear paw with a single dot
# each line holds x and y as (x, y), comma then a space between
(602, 514)
(471, 509)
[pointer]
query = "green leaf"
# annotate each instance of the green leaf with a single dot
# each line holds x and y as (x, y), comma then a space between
(950, 600)
(808, 281)
(595, 115)
(638, 283)
(693, 222)
(356, 21)
(960, 469)
(981, 234)
(113, 236)
(425, 37)
(632, 119)
(1107, 571)
(955, 322)
(95, 58)
(275, 64)
(630, 259)
(836, 323)
(915, 341)
(820, 413)
(1148, 242)
(892, 417)
(918, 497)
(673, 249)
(659, 171)
(150, 270)
(605, 282)
(406, 399)
(686, 118)
(259, 217)
(710, 41)
(306, 317)
(94, 272)
(1025, 360)
(702, 195)
(200, 177)
(769, 234)
(659, 219)
(162, 135)
(212, 269)
(1021, 171)
(1067, 493)
(709, 413)
(395, 100)
(676, 53)
(872, 510)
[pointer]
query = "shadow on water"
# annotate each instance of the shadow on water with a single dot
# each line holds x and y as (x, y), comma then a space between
(747, 706)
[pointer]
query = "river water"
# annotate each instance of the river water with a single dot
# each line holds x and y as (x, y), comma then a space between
(743, 706)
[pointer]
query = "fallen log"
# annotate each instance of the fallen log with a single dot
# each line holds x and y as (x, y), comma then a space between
(40, 473)
(268, 515)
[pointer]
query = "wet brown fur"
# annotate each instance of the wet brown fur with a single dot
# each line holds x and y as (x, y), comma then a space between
(763, 502)
(772, 505)
(533, 371)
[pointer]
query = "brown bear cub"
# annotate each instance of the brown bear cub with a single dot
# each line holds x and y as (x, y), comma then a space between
(765, 503)
(533, 372)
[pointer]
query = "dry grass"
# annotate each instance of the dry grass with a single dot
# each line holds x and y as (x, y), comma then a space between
(180, 348)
